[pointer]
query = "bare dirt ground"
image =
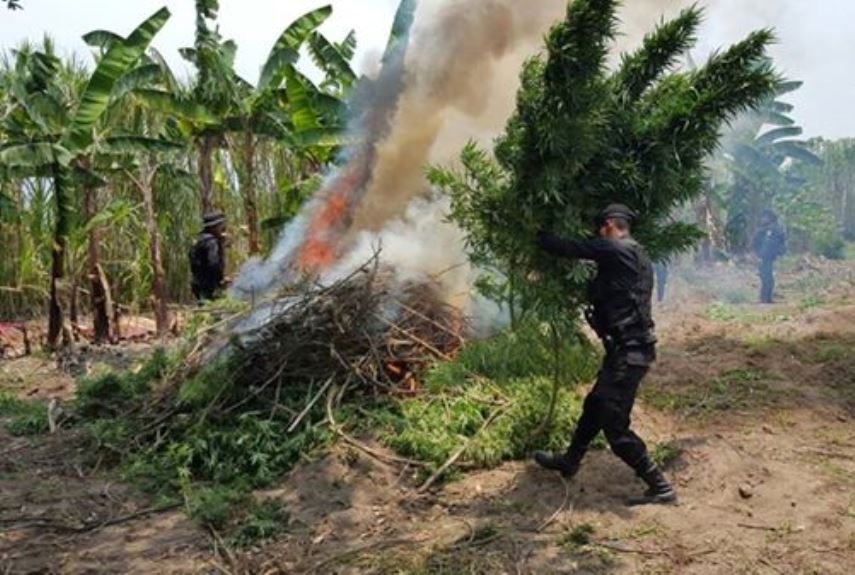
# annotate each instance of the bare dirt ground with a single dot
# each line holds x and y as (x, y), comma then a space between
(755, 407)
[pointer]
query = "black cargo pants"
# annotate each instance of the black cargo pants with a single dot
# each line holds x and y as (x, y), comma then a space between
(608, 407)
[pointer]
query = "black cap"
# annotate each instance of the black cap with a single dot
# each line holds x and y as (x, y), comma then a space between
(613, 212)
(213, 219)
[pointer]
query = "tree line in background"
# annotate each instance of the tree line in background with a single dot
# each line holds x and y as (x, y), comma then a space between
(105, 171)
(762, 163)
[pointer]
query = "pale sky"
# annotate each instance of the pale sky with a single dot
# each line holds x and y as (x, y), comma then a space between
(253, 24)
(817, 37)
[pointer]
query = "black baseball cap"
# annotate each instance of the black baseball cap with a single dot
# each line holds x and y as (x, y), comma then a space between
(615, 212)
(212, 219)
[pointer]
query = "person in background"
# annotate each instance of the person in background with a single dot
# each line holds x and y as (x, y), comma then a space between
(621, 295)
(208, 258)
(770, 243)
(661, 269)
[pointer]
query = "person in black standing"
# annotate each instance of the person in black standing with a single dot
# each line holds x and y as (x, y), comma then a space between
(207, 258)
(661, 269)
(621, 315)
(770, 243)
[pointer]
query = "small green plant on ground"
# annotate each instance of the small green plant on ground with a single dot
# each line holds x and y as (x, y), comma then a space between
(810, 302)
(245, 520)
(723, 312)
(22, 417)
(577, 537)
(736, 389)
(664, 454)
(110, 394)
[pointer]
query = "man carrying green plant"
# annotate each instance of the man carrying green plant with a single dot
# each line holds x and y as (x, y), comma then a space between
(621, 295)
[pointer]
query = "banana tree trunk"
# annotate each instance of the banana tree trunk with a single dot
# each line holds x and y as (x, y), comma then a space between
(158, 289)
(249, 196)
(206, 172)
(100, 294)
(57, 273)
(54, 308)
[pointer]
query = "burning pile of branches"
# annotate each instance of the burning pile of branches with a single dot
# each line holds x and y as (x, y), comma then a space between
(366, 334)
(366, 330)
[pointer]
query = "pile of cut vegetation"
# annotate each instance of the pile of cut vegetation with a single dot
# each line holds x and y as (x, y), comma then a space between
(378, 364)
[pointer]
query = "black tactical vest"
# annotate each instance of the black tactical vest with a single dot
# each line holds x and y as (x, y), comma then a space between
(621, 294)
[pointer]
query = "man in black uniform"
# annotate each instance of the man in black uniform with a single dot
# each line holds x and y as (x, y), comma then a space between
(770, 243)
(207, 258)
(621, 315)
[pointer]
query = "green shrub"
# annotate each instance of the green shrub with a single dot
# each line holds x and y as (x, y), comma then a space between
(213, 507)
(109, 395)
(508, 380)
(263, 520)
(830, 245)
(23, 417)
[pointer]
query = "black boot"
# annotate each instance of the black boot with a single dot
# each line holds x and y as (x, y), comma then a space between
(566, 464)
(659, 490)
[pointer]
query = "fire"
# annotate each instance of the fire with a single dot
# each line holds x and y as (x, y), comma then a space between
(332, 218)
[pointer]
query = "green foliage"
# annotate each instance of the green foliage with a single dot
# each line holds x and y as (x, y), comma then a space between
(22, 417)
(118, 61)
(213, 506)
(739, 389)
(664, 454)
(503, 381)
(212, 460)
(763, 165)
(582, 137)
(244, 520)
(263, 520)
(249, 449)
(577, 537)
(110, 394)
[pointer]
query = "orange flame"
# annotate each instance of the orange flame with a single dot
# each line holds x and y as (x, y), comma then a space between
(331, 220)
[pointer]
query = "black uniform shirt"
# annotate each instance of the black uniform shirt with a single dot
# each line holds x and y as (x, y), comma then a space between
(770, 242)
(622, 290)
(207, 263)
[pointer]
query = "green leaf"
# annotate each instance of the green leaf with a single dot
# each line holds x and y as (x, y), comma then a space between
(660, 51)
(776, 119)
(118, 60)
(321, 138)
(174, 106)
(103, 39)
(347, 47)
(141, 77)
(300, 90)
(797, 151)
(34, 156)
(787, 87)
(285, 51)
(754, 159)
(773, 136)
(139, 144)
(404, 17)
(328, 58)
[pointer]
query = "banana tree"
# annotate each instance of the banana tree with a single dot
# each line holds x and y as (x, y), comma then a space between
(304, 117)
(761, 150)
(285, 106)
(65, 155)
